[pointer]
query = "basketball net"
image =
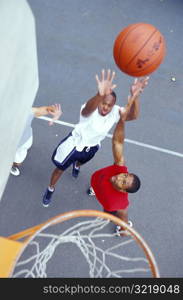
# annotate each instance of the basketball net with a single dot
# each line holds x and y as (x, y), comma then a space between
(85, 240)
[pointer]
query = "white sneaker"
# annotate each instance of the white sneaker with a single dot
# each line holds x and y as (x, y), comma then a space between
(130, 223)
(90, 192)
(15, 171)
(120, 232)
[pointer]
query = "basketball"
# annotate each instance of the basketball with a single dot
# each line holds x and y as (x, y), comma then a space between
(139, 49)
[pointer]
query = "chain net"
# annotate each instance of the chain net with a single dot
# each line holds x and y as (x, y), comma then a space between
(88, 248)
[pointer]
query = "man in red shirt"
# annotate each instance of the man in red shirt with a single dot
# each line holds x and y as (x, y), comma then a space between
(112, 184)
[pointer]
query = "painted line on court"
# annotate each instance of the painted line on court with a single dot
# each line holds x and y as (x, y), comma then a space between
(126, 140)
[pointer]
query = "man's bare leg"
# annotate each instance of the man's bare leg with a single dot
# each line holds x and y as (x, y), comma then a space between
(55, 177)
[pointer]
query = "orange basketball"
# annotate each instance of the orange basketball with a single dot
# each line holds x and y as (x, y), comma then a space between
(139, 49)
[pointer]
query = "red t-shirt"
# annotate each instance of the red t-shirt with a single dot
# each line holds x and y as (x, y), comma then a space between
(110, 198)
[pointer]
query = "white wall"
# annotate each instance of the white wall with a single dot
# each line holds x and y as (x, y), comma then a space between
(18, 77)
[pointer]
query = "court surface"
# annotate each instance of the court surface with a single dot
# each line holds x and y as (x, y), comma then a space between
(74, 41)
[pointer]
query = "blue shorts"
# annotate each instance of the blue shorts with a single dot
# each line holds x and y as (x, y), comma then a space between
(73, 155)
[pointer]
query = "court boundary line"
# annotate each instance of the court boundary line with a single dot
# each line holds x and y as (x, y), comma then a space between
(159, 149)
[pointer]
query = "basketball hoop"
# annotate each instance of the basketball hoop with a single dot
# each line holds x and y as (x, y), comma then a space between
(92, 234)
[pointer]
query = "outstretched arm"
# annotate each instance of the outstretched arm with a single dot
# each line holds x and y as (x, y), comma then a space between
(54, 110)
(135, 91)
(105, 87)
(119, 131)
(118, 141)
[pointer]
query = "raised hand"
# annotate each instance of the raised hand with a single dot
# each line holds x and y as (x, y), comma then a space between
(55, 111)
(138, 86)
(105, 84)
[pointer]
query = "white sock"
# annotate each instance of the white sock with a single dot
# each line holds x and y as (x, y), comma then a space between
(50, 189)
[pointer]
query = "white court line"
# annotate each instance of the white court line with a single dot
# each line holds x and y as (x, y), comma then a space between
(126, 140)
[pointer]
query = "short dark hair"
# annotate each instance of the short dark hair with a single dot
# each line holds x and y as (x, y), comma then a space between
(135, 184)
(114, 95)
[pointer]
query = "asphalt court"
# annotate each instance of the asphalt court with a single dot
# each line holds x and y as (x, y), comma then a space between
(74, 40)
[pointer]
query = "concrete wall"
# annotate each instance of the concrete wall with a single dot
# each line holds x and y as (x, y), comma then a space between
(18, 77)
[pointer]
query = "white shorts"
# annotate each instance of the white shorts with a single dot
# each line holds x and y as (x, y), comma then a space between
(21, 152)
(66, 153)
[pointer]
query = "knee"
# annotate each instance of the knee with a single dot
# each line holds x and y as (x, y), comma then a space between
(58, 171)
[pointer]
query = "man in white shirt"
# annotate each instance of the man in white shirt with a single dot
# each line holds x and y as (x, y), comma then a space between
(26, 140)
(97, 117)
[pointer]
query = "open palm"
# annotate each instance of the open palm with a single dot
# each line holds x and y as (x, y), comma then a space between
(105, 84)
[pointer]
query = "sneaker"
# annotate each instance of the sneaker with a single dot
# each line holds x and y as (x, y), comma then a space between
(90, 192)
(47, 197)
(15, 171)
(75, 170)
(121, 232)
(118, 230)
(130, 223)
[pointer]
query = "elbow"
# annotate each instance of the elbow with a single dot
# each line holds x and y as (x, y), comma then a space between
(136, 116)
(84, 113)
(116, 143)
